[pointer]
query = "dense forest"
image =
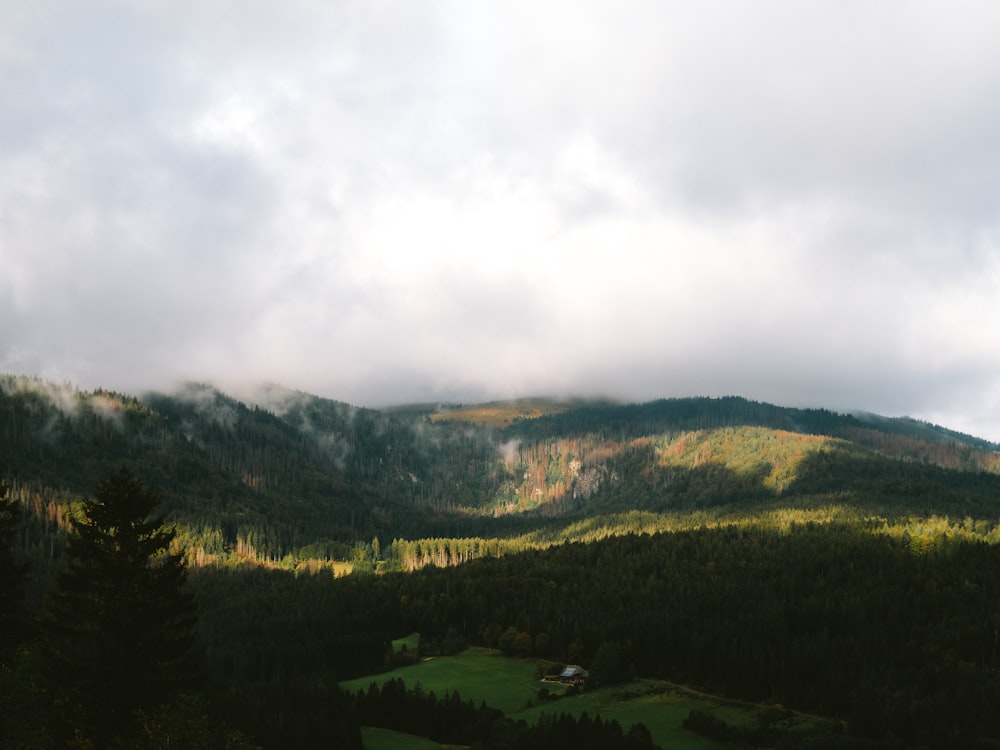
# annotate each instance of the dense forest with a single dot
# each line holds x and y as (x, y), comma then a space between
(286, 478)
(898, 641)
(845, 565)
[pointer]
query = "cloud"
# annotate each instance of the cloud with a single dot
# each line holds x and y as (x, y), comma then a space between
(383, 202)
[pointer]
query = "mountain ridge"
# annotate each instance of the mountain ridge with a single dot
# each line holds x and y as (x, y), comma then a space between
(280, 473)
(841, 564)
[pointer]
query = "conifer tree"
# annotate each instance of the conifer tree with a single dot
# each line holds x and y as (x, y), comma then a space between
(13, 618)
(14, 627)
(120, 625)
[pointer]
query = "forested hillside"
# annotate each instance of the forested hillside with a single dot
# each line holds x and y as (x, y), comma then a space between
(284, 477)
(839, 564)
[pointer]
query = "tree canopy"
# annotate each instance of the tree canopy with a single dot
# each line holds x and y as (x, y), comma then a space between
(13, 620)
(120, 625)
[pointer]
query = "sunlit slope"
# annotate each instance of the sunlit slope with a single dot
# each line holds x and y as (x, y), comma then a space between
(559, 475)
(773, 457)
(282, 477)
(501, 413)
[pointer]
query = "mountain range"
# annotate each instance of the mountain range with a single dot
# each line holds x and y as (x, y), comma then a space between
(280, 476)
(840, 564)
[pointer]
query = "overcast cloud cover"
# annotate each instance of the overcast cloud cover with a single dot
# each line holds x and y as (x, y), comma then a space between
(384, 202)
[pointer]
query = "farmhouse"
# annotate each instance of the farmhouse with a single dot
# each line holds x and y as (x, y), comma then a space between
(574, 674)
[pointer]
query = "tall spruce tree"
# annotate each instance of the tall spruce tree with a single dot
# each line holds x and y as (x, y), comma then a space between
(14, 624)
(120, 625)
(13, 617)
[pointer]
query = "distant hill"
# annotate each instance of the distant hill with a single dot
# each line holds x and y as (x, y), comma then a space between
(282, 475)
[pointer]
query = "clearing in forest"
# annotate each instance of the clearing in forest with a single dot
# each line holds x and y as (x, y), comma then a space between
(512, 686)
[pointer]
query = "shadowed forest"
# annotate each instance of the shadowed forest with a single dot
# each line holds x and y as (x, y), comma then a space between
(843, 565)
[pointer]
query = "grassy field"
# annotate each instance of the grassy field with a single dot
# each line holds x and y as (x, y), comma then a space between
(501, 413)
(662, 707)
(511, 686)
(505, 684)
(412, 641)
(663, 713)
(385, 739)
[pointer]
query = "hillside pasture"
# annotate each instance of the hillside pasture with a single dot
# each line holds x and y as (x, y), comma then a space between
(477, 674)
(662, 707)
(385, 739)
(411, 641)
(663, 713)
(511, 685)
(501, 413)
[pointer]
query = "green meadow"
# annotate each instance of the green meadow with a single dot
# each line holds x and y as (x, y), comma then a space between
(511, 686)
(386, 739)
(663, 711)
(476, 674)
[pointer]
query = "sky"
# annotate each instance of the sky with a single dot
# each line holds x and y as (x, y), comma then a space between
(387, 202)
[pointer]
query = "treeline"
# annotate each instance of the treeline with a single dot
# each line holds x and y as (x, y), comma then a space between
(920, 533)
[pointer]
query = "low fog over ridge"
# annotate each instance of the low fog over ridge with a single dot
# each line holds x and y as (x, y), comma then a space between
(393, 203)
(220, 404)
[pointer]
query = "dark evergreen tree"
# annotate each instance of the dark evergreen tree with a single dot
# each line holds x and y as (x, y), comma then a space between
(13, 617)
(16, 683)
(609, 665)
(120, 625)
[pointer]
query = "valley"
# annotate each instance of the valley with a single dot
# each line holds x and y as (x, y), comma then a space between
(843, 566)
